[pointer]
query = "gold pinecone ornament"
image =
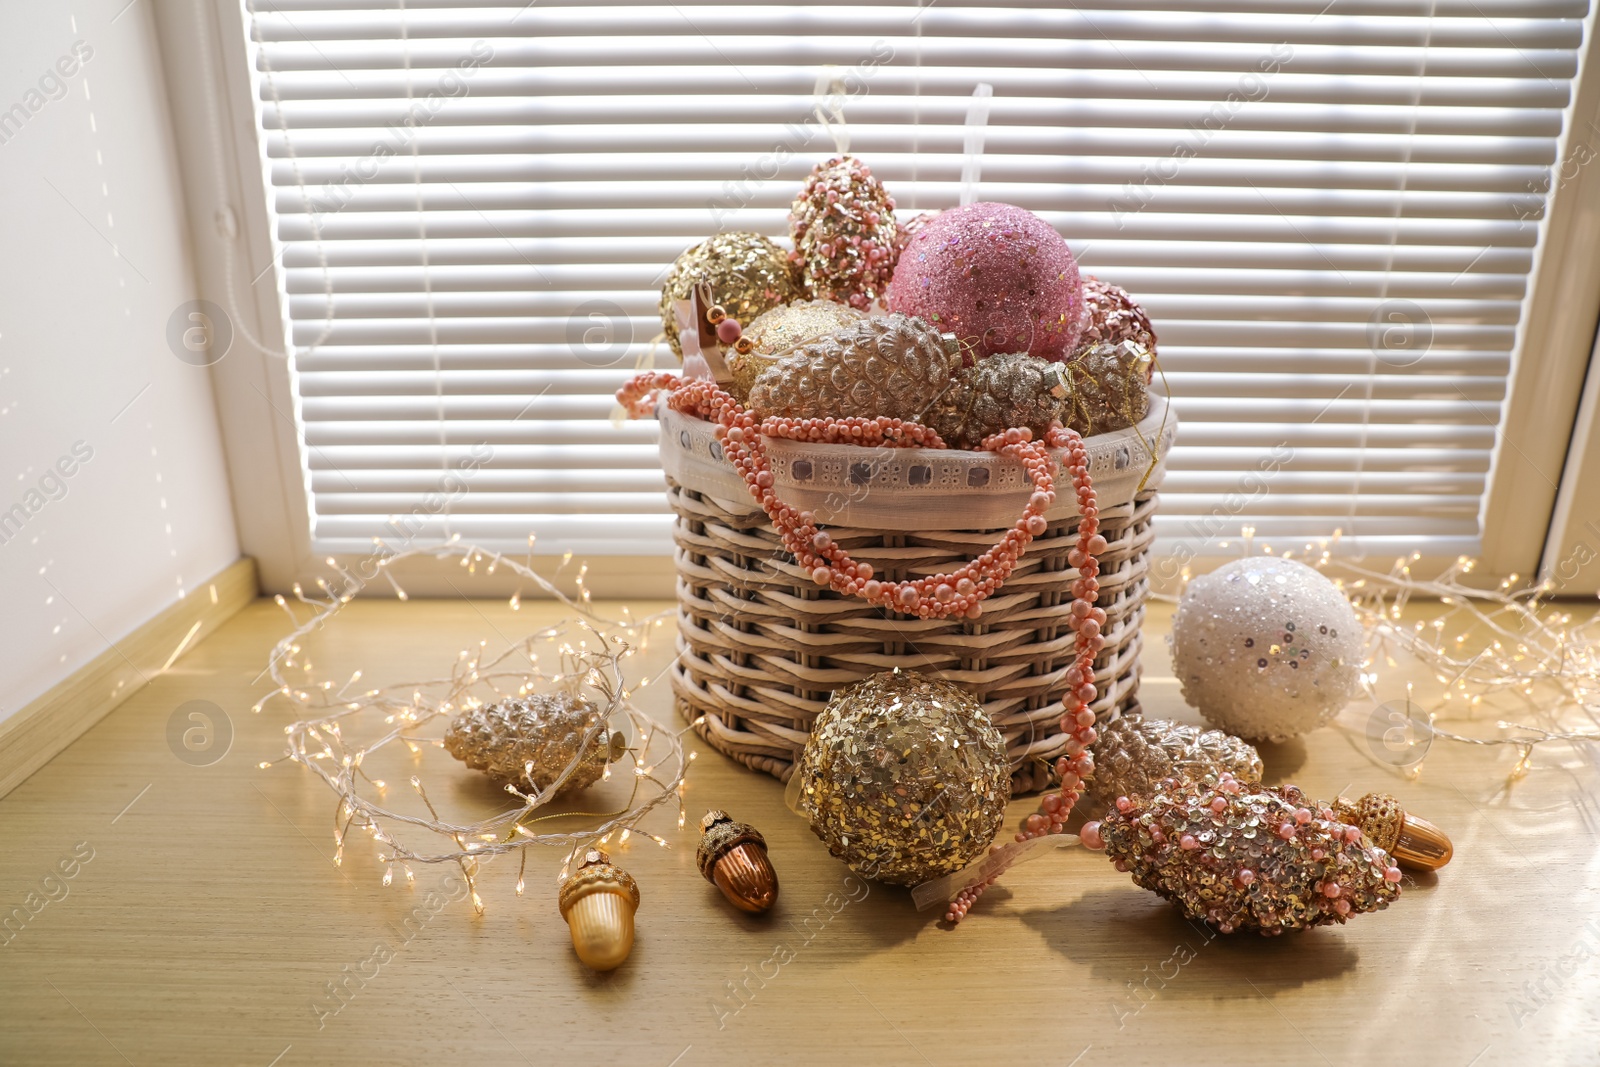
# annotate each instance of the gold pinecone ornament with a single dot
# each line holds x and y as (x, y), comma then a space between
(895, 366)
(1110, 387)
(1133, 755)
(775, 333)
(529, 741)
(1000, 392)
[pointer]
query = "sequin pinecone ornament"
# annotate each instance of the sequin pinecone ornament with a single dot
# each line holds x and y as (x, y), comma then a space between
(746, 272)
(777, 332)
(1110, 387)
(895, 366)
(528, 742)
(1111, 316)
(1246, 857)
(995, 394)
(904, 778)
(843, 228)
(1133, 755)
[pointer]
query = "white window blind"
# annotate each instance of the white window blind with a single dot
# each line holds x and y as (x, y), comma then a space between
(1329, 210)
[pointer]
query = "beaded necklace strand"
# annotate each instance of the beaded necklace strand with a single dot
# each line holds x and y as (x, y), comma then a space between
(959, 593)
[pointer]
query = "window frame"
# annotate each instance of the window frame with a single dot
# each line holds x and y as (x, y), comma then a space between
(215, 125)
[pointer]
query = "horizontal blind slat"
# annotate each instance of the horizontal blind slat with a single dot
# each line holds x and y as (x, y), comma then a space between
(444, 278)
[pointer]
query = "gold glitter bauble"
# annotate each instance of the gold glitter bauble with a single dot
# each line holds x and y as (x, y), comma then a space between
(748, 275)
(1247, 857)
(904, 778)
(895, 366)
(775, 332)
(1133, 754)
(546, 730)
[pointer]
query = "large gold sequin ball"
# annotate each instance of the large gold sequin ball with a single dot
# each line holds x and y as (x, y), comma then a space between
(904, 778)
(747, 273)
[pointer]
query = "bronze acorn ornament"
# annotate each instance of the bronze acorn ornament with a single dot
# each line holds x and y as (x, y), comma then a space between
(598, 901)
(733, 857)
(1410, 841)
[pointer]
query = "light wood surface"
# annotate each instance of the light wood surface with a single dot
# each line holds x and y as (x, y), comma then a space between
(49, 724)
(209, 921)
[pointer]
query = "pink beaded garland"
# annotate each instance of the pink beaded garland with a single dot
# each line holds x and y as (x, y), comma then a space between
(997, 276)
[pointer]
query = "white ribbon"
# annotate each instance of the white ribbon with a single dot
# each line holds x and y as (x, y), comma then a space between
(977, 121)
(830, 96)
(943, 890)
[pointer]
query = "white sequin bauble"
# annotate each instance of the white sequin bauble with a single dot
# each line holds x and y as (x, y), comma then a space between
(1266, 648)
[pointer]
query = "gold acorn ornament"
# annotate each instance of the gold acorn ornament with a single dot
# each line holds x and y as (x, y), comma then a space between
(530, 741)
(598, 901)
(733, 857)
(1410, 841)
(895, 366)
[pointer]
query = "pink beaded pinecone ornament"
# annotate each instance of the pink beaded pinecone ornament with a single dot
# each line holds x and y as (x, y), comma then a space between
(1246, 857)
(843, 228)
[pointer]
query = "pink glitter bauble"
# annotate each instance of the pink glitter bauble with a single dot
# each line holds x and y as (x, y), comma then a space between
(998, 277)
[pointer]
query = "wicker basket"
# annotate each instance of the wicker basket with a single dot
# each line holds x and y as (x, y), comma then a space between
(761, 647)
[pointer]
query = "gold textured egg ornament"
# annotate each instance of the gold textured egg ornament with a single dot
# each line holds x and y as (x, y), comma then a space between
(733, 857)
(598, 902)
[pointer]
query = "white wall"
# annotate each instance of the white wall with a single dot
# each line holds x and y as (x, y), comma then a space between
(95, 260)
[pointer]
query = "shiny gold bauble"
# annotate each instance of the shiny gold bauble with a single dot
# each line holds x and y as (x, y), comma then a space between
(904, 778)
(776, 332)
(747, 273)
(598, 902)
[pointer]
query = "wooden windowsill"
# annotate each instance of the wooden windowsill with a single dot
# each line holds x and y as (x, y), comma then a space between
(209, 921)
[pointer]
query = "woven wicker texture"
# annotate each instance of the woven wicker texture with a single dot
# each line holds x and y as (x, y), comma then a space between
(762, 646)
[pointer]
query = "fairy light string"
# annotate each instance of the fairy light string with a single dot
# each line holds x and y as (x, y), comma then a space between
(1510, 642)
(339, 730)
